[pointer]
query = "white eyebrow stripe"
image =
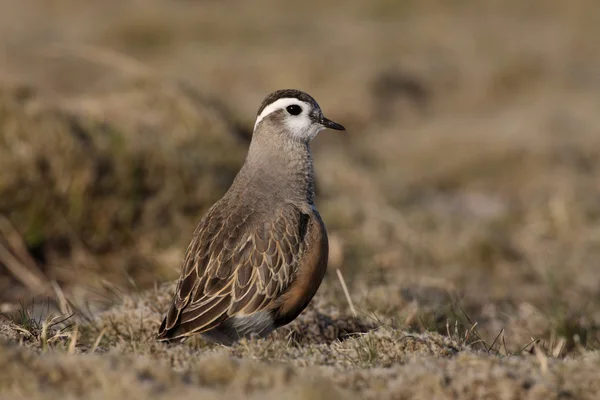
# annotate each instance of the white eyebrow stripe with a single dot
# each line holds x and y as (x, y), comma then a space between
(278, 105)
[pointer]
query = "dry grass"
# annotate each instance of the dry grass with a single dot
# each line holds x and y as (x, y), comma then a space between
(115, 355)
(463, 203)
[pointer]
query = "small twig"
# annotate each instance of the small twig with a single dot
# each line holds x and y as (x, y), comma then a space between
(542, 359)
(58, 336)
(346, 292)
(98, 340)
(73, 343)
(533, 341)
(425, 328)
(504, 344)
(473, 328)
(558, 348)
(62, 300)
(58, 319)
(500, 334)
(44, 337)
(25, 331)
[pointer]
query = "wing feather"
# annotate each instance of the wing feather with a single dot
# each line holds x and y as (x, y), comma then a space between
(234, 265)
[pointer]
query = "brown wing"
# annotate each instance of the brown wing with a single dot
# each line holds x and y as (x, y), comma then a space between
(311, 270)
(236, 264)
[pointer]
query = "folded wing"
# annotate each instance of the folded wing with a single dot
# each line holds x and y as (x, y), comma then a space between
(235, 265)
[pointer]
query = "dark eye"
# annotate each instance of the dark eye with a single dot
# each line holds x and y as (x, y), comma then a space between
(294, 109)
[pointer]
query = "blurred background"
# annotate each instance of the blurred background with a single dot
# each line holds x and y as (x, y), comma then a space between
(465, 188)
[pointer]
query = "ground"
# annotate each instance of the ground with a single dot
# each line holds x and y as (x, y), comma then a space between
(462, 203)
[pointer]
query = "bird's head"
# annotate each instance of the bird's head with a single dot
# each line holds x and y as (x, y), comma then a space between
(294, 113)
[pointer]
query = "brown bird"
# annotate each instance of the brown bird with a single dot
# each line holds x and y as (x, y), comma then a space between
(259, 254)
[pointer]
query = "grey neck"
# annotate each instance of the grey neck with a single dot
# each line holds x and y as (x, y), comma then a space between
(277, 169)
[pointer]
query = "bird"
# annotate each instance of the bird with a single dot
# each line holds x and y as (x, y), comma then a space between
(259, 254)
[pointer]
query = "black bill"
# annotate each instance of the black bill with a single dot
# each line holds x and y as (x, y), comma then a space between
(327, 123)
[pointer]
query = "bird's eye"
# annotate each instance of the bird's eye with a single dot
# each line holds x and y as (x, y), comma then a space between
(294, 109)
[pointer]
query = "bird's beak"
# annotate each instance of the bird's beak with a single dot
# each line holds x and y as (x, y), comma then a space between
(327, 123)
